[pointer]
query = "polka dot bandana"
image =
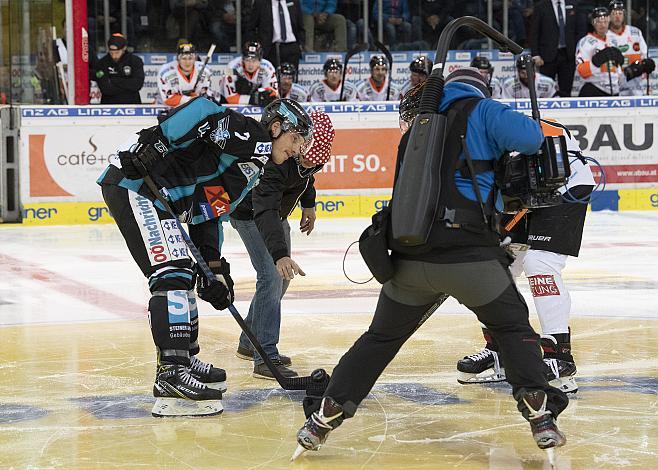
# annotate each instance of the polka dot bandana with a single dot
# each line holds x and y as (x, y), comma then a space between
(323, 137)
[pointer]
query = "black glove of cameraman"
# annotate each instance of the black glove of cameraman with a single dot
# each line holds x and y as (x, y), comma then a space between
(634, 70)
(609, 54)
(218, 294)
(151, 147)
(648, 65)
(243, 86)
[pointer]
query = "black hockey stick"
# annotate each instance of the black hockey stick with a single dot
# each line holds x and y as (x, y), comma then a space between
(205, 62)
(358, 47)
(314, 384)
(389, 57)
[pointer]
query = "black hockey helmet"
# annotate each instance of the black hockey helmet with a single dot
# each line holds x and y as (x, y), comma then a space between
(522, 60)
(421, 65)
(617, 5)
(410, 103)
(482, 63)
(332, 65)
(292, 116)
(599, 12)
(378, 60)
(252, 49)
(185, 47)
(287, 69)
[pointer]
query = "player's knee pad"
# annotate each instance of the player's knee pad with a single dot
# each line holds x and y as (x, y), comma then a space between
(172, 278)
(169, 313)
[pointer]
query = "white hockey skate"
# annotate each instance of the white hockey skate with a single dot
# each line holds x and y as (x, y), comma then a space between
(482, 367)
(177, 393)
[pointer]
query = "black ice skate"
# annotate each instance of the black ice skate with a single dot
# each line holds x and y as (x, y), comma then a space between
(482, 367)
(179, 394)
(212, 376)
(542, 424)
(559, 366)
(317, 427)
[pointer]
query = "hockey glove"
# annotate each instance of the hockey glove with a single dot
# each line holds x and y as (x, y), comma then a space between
(266, 96)
(609, 54)
(150, 149)
(218, 294)
(634, 70)
(648, 65)
(243, 86)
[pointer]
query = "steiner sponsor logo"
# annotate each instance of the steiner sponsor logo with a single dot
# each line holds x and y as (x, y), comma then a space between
(543, 285)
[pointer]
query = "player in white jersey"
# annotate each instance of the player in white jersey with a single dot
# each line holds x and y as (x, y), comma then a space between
(420, 69)
(178, 80)
(375, 88)
(329, 88)
(486, 70)
(249, 79)
(629, 40)
(287, 86)
(542, 242)
(517, 88)
(597, 60)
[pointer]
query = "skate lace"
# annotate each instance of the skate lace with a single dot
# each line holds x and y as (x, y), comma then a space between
(197, 365)
(185, 377)
(484, 354)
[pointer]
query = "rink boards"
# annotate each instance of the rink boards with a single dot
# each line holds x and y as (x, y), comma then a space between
(62, 150)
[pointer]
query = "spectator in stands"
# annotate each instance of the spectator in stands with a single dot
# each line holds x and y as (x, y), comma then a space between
(397, 21)
(320, 15)
(330, 88)
(513, 88)
(221, 23)
(376, 87)
(352, 10)
(119, 74)
(434, 16)
(278, 26)
(288, 88)
(189, 16)
(553, 37)
(182, 79)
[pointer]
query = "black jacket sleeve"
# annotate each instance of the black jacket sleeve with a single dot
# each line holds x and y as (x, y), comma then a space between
(136, 79)
(266, 199)
(307, 198)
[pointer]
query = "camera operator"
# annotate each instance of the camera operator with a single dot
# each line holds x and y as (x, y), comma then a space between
(462, 258)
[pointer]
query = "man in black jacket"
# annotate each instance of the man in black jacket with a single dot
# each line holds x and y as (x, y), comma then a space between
(119, 74)
(282, 26)
(556, 28)
(262, 222)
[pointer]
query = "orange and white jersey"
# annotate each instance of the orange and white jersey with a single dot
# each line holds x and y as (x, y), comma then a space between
(367, 90)
(631, 43)
(297, 92)
(581, 175)
(512, 88)
(322, 92)
(588, 46)
(176, 89)
(264, 77)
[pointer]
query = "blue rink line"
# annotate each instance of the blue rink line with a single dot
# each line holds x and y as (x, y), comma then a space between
(137, 406)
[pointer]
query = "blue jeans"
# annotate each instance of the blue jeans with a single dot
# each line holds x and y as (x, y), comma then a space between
(264, 317)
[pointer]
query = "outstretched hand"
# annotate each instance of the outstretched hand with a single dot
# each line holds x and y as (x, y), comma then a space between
(288, 268)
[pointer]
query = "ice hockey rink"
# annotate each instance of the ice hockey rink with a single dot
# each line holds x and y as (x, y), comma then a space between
(77, 363)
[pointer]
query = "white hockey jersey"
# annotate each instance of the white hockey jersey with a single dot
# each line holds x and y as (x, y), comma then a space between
(264, 77)
(597, 76)
(297, 92)
(368, 91)
(631, 43)
(496, 86)
(320, 92)
(512, 88)
(172, 83)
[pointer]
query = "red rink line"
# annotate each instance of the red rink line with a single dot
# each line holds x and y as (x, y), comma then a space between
(98, 298)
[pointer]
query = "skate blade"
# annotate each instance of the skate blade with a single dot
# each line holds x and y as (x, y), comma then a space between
(566, 384)
(484, 377)
(180, 407)
(550, 453)
(221, 386)
(298, 451)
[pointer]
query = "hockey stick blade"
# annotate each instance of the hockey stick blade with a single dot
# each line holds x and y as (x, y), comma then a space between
(314, 384)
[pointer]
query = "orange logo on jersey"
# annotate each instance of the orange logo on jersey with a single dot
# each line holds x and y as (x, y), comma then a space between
(218, 199)
(636, 46)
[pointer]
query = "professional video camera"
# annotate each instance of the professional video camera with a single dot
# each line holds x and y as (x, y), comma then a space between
(532, 181)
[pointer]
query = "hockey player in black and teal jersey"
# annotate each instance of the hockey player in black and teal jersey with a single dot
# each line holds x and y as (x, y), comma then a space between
(206, 158)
